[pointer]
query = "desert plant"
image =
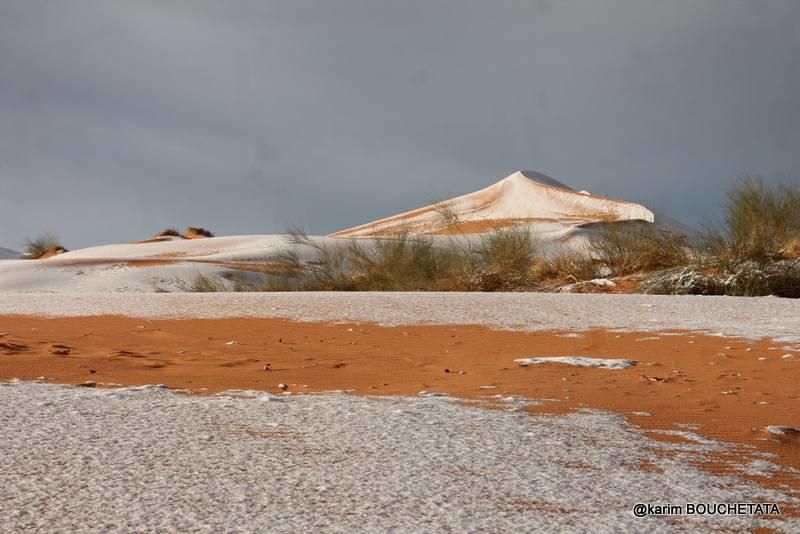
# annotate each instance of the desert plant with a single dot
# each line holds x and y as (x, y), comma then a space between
(198, 232)
(629, 248)
(506, 257)
(498, 261)
(748, 279)
(36, 248)
(762, 222)
(207, 284)
(168, 232)
(449, 216)
(566, 266)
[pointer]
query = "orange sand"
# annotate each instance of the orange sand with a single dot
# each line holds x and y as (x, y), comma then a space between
(718, 384)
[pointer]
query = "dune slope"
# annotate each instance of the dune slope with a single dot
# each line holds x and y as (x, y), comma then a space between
(523, 197)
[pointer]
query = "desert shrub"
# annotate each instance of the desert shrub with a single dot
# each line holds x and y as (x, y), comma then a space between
(400, 263)
(329, 269)
(207, 284)
(36, 248)
(500, 260)
(565, 267)
(392, 264)
(748, 279)
(196, 231)
(680, 281)
(627, 249)
(785, 281)
(762, 222)
(168, 232)
(449, 216)
(507, 251)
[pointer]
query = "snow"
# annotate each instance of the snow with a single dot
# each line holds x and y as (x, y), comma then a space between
(166, 265)
(8, 254)
(603, 282)
(747, 317)
(173, 265)
(782, 430)
(579, 361)
(559, 217)
(148, 459)
(522, 196)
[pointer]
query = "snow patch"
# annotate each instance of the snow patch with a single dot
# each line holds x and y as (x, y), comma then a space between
(161, 461)
(580, 361)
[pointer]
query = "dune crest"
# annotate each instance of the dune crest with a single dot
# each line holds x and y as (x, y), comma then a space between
(523, 197)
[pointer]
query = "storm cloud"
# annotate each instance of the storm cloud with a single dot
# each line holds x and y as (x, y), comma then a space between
(121, 118)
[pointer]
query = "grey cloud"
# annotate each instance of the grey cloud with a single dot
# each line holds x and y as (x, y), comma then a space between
(120, 118)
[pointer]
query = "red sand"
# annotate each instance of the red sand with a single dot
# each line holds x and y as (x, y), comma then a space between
(718, 384)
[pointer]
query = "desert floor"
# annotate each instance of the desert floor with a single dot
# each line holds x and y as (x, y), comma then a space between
(394, 411)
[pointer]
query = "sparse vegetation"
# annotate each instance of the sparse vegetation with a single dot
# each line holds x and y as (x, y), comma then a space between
(43, 245)
(755, 253)
(763, 220)
(762, 223)
(448, 215)
(501, 261)
(629, 248)
(781, 279)
(207, 284)
(566, 267)
(194, 231)
(168, 232)
(398, 263)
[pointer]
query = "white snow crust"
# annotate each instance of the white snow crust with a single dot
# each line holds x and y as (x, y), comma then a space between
(748, 317)
(522, 196)
(579, 361)
(148, 459)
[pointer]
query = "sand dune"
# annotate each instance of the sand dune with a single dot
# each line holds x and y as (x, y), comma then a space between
(164, 264)
(549, 206)
(558, 215)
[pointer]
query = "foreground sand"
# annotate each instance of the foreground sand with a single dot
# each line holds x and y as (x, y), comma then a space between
(701, 404)
(117, 460)
(727, 389)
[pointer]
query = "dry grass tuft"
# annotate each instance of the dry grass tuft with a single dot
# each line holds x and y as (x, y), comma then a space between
(194, 231)
(762, 223)
(168, 232)
(44, 245)
(630, 248)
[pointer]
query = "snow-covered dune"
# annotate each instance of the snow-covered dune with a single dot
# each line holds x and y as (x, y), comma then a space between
(165, 264)
(557, 215)
(550, 207)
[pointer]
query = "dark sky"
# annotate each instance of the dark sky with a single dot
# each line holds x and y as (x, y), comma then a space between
(120, 118)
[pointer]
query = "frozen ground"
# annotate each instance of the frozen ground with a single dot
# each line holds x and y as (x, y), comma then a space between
(734, 316)
(580, 361)
(146, 459)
